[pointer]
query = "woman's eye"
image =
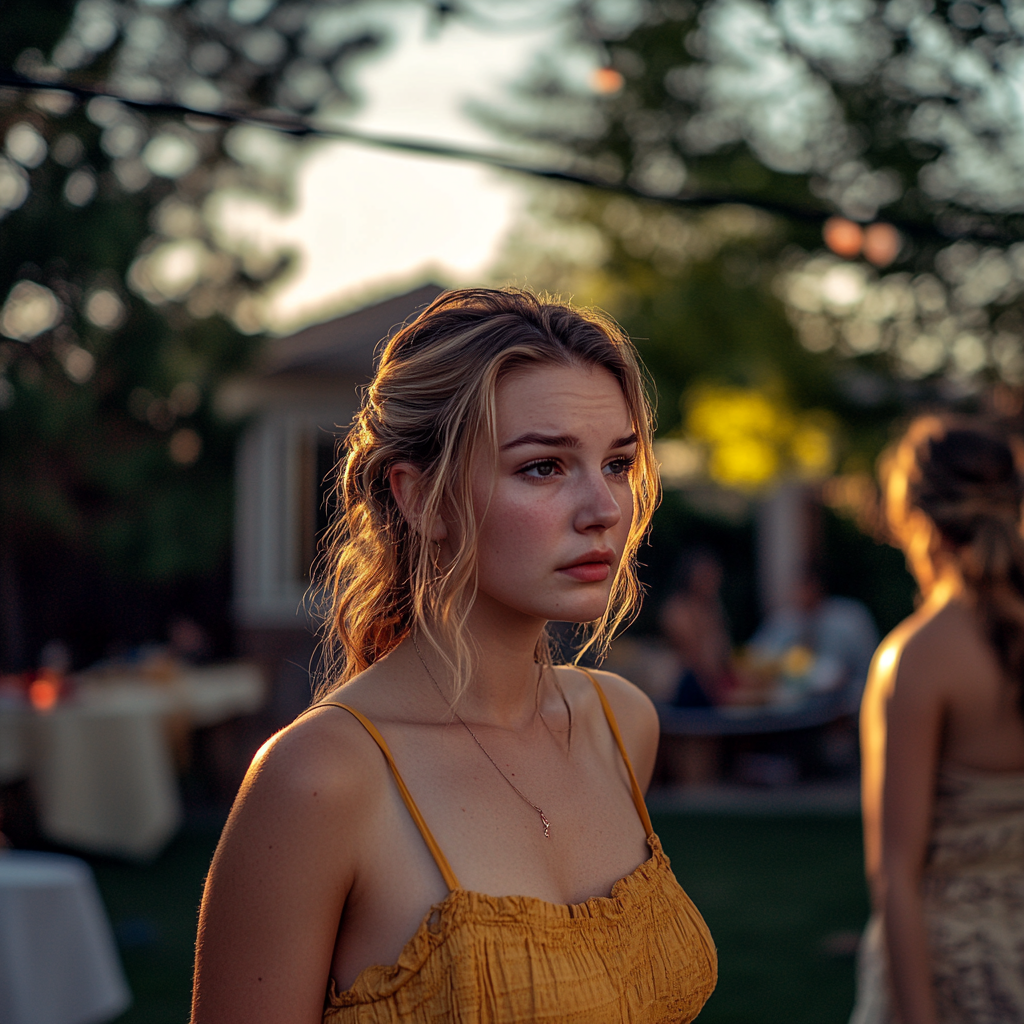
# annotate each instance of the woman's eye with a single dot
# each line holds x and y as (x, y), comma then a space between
(541, 469)
(621, 466)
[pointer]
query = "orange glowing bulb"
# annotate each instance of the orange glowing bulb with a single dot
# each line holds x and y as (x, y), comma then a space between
(607, 81)
(882, 244)
(843, 237)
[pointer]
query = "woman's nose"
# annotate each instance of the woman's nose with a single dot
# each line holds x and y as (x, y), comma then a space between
(599, 506)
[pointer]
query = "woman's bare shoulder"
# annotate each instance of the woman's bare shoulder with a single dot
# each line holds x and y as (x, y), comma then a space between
(634, 711)
(298, 837)
(927, 652)
(947, 632)
(324, 760)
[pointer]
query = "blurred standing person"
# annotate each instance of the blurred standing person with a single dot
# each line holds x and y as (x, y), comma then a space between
(942, 736)
(693, 621)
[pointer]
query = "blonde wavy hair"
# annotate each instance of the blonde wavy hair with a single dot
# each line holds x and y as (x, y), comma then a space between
(432, 404)
(961, 474)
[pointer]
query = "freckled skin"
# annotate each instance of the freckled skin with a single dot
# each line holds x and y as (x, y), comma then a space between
(553, 503)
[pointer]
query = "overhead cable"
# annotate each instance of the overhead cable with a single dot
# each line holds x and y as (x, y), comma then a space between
(299, 127)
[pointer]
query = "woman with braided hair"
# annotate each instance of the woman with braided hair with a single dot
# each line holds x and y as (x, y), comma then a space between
(942, 736)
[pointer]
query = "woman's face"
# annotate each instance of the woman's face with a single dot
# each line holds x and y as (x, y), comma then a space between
(553, 517)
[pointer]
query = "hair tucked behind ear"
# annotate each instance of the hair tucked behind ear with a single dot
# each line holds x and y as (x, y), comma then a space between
(962, 475)
(432, 404)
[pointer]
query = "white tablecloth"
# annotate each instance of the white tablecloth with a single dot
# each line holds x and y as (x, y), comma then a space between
(58, 963)
(104, 779)
(101, 766)
(206, 695)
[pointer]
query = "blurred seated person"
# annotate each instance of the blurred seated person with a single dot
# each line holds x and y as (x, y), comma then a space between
(838, 631)
(693, 621)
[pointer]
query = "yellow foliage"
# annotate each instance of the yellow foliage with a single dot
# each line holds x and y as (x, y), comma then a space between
(743, 462)
(812, 449)
(752, 436)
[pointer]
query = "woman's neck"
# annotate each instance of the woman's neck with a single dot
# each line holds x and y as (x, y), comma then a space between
(946, 585)
(504, 688)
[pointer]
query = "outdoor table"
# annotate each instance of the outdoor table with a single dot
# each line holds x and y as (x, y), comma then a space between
(696, 734)
(101, 765)
(58, 962)
(103, 776)
(205, 694)
(748, 720)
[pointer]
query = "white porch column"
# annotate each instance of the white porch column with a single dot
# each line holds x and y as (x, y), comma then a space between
(782, 542)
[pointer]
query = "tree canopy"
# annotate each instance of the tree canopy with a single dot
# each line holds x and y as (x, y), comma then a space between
(121, 309)
(896, 127)
(739, 128)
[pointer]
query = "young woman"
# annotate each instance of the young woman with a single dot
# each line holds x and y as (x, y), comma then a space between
(942, 733)
(456, 807)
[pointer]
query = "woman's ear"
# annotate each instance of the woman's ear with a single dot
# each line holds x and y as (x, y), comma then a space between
(406, 483)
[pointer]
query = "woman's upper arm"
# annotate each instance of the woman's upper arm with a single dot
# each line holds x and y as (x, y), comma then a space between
(278, 883)
(913, 721)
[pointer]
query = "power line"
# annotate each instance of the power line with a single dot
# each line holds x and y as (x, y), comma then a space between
(299, 127)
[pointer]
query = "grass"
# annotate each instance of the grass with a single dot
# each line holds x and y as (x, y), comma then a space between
(154, 909)
(773, 891)
(779, 894)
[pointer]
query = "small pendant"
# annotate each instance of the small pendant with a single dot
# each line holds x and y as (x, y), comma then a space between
(547, 825)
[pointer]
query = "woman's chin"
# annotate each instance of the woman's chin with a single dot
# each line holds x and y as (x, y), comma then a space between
(579, 616)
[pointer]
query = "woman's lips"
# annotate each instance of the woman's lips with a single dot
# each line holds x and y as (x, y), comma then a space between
(588, 572)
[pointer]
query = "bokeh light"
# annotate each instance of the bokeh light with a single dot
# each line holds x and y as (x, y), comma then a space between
(753, 437)
(882, 244)
(607, 81)
(30, 310)
(843, 237)
(185, 446)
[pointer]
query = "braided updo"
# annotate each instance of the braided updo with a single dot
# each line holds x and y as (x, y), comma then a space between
(963, 476)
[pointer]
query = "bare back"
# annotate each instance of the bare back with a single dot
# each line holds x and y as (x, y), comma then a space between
(936, 698)
(984, 728)
(936, 693)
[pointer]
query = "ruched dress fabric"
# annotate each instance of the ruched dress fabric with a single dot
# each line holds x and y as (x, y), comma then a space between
(642, 955)
(973, 892)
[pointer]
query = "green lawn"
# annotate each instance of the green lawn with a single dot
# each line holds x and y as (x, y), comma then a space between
(773, 891)
(776, 893)
(154, 909)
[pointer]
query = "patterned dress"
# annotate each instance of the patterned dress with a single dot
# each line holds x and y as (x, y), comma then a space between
(973, 890)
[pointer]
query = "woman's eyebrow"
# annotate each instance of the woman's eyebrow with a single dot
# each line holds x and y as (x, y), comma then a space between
(560, 441)
(545, 440)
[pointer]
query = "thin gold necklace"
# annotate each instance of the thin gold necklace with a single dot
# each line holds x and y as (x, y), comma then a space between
(515, 789)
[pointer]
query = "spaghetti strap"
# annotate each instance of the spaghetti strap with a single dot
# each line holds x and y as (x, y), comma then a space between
(638, 797)
(435, 851)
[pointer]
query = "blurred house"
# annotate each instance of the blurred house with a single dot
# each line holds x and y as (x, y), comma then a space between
(300, 401)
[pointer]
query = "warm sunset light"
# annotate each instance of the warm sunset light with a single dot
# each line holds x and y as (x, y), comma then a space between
(431, 423)
(887, 659)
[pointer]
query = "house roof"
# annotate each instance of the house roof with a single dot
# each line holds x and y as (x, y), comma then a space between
(346, 345)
